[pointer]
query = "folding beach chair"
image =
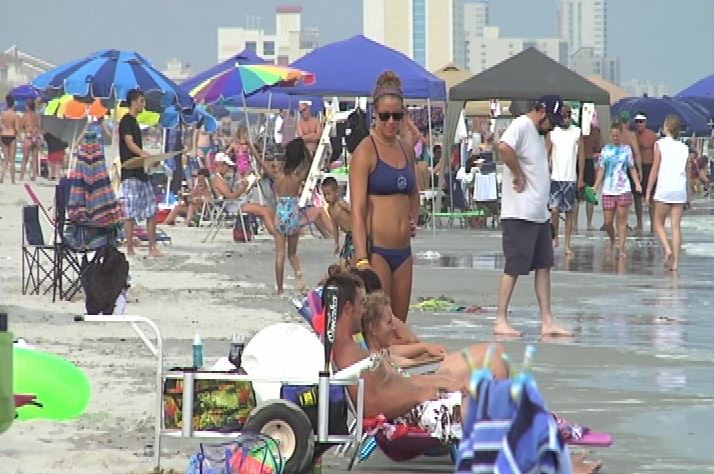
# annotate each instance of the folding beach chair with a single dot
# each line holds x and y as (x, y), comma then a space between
(37, 255)
(69, 261)
(220, 214)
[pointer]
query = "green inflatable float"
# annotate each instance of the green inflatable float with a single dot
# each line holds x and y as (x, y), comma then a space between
(62, 389)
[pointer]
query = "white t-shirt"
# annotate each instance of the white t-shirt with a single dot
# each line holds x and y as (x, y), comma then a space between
(565, 153)
(278, 133)
(672, 177)
(529, 145)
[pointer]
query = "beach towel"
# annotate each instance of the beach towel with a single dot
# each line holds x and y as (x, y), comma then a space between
(504, 436)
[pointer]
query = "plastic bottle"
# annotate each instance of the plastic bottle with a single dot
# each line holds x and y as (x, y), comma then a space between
(197, 351)
(235, 354)
(7, 399)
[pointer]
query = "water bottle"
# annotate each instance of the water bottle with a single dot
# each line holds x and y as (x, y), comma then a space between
(7, 399)
(197, 351)
(236, 351)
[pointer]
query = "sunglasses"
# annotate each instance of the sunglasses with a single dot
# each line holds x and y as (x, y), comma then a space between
(567, 114)
(384, 116)
(640, 121)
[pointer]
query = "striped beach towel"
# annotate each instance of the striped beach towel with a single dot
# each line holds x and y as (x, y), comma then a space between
(92, 201)
(502, 436)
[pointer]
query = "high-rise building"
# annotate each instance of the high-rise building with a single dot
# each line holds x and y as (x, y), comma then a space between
(489, 49)
(583, 24)
(586, 63)
(476, 17)
(290, 41)
(421, 29)
(639, 88)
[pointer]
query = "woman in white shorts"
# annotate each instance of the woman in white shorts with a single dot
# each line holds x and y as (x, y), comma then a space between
(669, 187)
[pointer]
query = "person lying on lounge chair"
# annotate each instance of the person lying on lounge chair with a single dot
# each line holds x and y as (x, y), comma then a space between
(376, 325)
(387, 391)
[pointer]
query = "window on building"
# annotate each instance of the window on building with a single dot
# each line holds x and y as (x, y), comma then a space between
(419, 31)
(251, 46)
(268, 48)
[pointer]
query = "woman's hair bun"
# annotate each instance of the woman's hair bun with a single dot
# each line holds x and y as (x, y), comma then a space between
(389, 79)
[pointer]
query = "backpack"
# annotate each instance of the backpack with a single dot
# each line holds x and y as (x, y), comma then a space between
(357, 124)
(104, 279)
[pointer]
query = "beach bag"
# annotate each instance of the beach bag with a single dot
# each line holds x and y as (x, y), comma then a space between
(103, 280)
(218, 405)
(239, 235)
(248, 454)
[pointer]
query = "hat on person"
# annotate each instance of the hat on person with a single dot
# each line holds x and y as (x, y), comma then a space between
(641, 116)
(625, 116)
(553, 105)
(223, 158)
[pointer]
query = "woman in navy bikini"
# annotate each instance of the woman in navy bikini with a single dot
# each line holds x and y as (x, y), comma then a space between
(385, 198)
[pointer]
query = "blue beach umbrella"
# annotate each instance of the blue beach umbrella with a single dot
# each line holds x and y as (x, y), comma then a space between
(111, 74)
(694, 120)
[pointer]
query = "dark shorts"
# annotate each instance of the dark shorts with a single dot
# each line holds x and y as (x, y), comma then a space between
(632, 183)
(645, 178)
(526, 245)
(562, 195)
(589, 172)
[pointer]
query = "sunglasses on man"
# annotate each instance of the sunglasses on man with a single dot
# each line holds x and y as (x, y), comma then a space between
(385, 116)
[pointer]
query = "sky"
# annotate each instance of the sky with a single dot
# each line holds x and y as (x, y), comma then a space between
(665, 42)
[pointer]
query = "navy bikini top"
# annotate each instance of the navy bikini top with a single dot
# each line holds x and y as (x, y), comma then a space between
(386, 180)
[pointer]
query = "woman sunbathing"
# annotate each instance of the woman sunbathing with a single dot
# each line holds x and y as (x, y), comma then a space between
(378, 329)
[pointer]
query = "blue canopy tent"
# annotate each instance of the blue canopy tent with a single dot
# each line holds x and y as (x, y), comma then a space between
(704, 103)
(701, 88)
(349, 68)
(694, 119)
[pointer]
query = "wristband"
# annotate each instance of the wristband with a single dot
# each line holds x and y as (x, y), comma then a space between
(362, 263)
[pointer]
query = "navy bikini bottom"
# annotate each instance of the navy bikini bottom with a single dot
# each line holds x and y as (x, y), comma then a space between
(394, 257)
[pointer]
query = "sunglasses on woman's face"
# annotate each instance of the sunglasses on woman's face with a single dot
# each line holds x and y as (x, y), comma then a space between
(384, 116)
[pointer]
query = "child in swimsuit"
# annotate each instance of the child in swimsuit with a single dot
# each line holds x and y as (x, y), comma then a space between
(341, 217)
(288, 183)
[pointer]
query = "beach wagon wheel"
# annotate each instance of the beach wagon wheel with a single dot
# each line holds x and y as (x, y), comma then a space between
(287, 424)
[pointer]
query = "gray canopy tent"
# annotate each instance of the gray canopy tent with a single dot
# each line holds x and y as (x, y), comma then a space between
(526, 76)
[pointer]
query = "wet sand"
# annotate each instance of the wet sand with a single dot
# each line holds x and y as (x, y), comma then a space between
(638, 367)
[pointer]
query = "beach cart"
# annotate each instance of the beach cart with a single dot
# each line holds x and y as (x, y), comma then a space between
(285, 419)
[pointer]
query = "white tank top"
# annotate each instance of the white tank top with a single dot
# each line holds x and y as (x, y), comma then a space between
(672, 175)
(565, 153)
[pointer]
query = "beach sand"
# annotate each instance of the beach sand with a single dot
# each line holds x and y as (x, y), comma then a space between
(636, 368)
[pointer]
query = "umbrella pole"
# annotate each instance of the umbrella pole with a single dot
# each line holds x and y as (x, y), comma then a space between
(75, 138)
(165, 140)
(431, 166)
(267, 123)
(252, 145)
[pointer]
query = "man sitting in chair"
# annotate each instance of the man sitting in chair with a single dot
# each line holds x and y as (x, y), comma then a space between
(221, 184)
(387, 391)
(200, 194)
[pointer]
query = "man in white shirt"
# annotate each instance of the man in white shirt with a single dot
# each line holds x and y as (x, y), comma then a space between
(524, 211)
(567, 155)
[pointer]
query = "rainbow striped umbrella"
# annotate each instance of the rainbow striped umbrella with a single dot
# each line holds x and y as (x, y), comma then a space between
(245, 79)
